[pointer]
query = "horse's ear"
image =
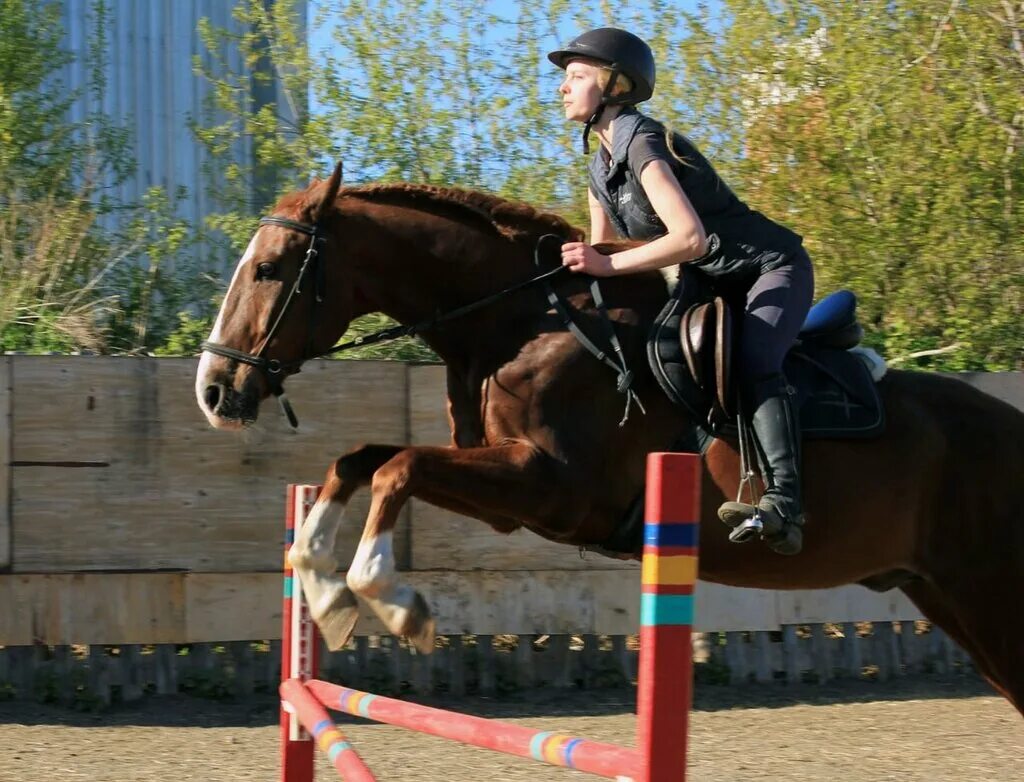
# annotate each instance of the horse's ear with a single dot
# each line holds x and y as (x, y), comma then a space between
(330, 193)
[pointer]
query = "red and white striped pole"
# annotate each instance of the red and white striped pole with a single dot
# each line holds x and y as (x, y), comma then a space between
(304, 722)
(299, 644)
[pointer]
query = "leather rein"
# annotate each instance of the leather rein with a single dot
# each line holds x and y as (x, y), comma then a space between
(276, 371)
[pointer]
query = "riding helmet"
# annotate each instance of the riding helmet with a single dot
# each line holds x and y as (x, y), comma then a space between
(624, 52)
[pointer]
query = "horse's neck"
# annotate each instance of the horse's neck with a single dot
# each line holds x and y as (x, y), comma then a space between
(437, 272)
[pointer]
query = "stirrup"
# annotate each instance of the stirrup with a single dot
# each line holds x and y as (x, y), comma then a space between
(744, 519)
(747, 530)
(751, 521)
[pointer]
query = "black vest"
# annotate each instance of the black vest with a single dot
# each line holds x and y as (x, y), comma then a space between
(750, 243)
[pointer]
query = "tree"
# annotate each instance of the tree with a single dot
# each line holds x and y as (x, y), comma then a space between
(76, 271)
(886, 133)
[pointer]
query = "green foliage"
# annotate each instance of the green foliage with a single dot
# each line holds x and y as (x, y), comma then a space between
(214, 685)
(404, 349)
(77, 271)
(889, 134)
(186, 338)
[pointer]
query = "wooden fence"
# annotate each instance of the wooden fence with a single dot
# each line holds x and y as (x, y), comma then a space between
(128, 529)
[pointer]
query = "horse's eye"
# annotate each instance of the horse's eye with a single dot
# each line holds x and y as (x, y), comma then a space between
(265, 270)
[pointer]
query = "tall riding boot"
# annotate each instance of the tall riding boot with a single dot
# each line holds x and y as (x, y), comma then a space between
(776, 430)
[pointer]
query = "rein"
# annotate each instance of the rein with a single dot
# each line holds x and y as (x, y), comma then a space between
(276, 371)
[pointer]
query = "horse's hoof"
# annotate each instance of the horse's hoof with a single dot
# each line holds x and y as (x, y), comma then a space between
(406, 613)
(338, 621)
(736, 513)
(419, 626)
(424, 639)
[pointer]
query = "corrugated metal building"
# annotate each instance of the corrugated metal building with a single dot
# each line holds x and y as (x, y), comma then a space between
(152, 91)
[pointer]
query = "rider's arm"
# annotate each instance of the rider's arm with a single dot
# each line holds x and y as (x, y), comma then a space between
(685, 239)
(601, 228)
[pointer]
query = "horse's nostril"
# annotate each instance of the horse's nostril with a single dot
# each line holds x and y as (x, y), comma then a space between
(212, 396)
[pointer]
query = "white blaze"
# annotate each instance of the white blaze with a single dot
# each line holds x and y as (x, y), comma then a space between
(206, 359)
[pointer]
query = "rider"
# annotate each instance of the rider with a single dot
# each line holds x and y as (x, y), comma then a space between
(647, 183)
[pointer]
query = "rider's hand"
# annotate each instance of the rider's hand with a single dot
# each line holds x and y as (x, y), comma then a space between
(581, 257)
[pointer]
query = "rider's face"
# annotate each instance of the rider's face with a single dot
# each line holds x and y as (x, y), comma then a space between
(581, 90)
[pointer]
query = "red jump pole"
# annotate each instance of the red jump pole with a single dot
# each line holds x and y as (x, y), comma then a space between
(332, 741)
(605, 760)
(669, 573)
(299, 643)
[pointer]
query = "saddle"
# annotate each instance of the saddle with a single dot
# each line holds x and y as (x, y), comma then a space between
(690, 352)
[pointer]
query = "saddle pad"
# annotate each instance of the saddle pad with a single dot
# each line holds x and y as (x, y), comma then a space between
(836, 395)
(835, 392)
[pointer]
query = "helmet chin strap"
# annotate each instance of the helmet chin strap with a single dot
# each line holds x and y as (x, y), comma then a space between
(586, 128)
(596, 116)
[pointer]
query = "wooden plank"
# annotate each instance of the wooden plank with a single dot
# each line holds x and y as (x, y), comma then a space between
(5, 462)
(736, 658)
(232, 606)
(721, 607)
(84, 608)
(442, 539)
(843, 604)
(155, 486)
(142, 608)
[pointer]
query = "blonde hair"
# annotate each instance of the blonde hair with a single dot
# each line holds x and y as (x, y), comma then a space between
(622, 82)
(670, 137)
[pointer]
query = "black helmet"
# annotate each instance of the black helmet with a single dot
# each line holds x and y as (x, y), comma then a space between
(624, 52)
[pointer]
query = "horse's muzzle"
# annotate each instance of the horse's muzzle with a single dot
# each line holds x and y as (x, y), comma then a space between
(226, 408)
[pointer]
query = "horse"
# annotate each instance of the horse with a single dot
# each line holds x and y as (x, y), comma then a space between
(927, 507)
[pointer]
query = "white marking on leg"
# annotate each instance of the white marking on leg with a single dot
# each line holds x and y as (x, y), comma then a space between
(314, 546)
(372, 576)
(312, 556)
(373, 566)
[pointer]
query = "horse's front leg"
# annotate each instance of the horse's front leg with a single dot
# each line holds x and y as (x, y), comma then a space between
(331, 603)
(511, 482)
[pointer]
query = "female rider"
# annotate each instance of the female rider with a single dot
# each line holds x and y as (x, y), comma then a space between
(647, 184)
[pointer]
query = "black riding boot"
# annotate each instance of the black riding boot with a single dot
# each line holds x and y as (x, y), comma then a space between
(777, 433)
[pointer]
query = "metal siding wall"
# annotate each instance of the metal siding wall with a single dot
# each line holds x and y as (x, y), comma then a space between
(152, 90)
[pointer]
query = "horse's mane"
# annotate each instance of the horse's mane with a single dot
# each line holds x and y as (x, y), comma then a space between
(509, 218)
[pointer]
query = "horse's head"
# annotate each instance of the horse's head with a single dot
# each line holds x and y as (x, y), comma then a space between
(287, 302)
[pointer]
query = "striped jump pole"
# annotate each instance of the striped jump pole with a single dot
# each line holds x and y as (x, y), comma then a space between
(664, 687)
(316, 721)
(668, 575)
(604, 760)
(303, 720)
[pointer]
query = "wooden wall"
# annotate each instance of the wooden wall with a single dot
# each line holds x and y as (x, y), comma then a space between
(5, 462)
(125, 519)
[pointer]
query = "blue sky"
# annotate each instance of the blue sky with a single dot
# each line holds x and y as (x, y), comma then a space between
(571, 20)
(508, 9)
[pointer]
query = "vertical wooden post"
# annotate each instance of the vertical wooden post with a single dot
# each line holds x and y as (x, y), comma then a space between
(299, 645)
(664, 689)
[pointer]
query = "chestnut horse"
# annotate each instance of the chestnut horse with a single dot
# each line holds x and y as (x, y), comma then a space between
(930, 506)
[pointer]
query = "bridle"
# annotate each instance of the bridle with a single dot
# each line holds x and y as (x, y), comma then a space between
(276, 371)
